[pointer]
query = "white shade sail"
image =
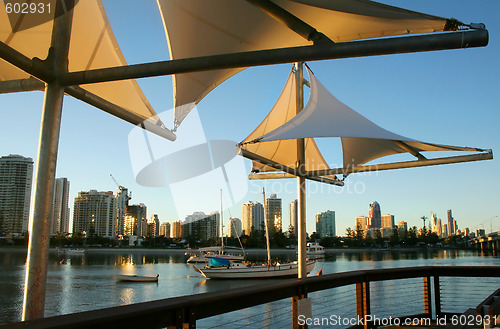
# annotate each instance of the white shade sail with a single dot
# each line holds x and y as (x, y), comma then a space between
(283, 151)
(325, 116)
(209, 27)
(93, 45)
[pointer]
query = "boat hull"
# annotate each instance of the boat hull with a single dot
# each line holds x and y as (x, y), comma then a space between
(241, 271)
(136, 278)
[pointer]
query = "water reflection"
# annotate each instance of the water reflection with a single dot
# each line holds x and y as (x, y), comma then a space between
(86, 282)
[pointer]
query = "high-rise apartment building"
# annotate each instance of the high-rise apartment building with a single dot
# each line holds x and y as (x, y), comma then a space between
(439, 228)
(433, 223)
(274, 213)
(122, 199)
(451, 226)
(361, 222)
(294, 206)
(387, 225)
(94, 213)
(387, 221)
(16, 175)
(234, 227)
(402, 228)
(374, 216)
(204, 228)
(59, 222)
(177, 229)
(325, 224)
(446, 233)
(165, 229)
(136, 217)
(153, 226)
(252, 217)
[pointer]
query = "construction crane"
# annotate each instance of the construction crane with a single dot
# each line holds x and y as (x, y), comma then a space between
(121, 187)
(114, 180)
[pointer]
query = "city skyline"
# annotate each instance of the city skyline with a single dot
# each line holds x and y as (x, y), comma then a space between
(411, 103)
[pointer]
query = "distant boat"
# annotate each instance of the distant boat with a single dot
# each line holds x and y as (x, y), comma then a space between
(224, 269)
(137, 278)
(203, 254)
(315, 250)
(72, 251)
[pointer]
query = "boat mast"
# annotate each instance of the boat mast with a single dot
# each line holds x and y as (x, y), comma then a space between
(221, 223)
(267, 228)
(301, 181)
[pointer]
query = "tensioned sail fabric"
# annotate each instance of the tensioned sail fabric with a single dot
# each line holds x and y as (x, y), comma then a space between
(209, 27)
(362, 140)
(283, 152)
(92, 46)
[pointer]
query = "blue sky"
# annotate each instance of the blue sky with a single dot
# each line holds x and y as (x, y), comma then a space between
(447, 97)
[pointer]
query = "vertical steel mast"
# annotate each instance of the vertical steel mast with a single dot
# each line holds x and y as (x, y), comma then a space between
(301, 181)
(38, 246)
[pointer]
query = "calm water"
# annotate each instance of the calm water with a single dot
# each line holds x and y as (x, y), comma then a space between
(88, 282)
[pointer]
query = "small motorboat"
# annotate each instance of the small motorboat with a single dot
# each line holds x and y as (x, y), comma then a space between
(137, 278)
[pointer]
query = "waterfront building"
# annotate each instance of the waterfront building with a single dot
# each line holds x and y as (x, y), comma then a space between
(387, 232)
(177, 229)
(59, 221)
(445, 230)
(325, 224)
(361, 222)
(294, 206)
(273, 212)
(439, 228)
(165, 229)
(387, 221)
(135, 220)
(433, 223)
(94, 213)
(455, 227)
(252, 217)
(201, 227)
(234, 227)
(16, 175)
(451, 227)
(153, 226)
(481, 232)
(402, 228)
(122, 199)
(374, 217)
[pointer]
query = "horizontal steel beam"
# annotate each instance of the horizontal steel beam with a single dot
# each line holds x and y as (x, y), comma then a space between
(119, 112)
(396, 45)
(282, 175)
(402, 165)
(35, 67)
(33, 84)
(21, 85)
(294, 172)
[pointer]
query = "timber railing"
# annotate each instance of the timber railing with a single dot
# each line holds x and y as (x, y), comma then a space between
(428, 292)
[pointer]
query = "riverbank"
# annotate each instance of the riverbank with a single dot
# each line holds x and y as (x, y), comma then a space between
(248, 251)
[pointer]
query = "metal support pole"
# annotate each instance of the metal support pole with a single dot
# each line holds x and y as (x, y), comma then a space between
(38, 247)
(301, 181)
(396, 45)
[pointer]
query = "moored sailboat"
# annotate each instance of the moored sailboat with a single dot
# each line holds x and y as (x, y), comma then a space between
(219, 268)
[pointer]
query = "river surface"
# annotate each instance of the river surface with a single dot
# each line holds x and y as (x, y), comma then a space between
(87, 282)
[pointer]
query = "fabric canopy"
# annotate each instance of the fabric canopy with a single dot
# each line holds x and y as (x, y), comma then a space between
(283, 151)
(325, 116)
(92, 46)
(209, 27)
